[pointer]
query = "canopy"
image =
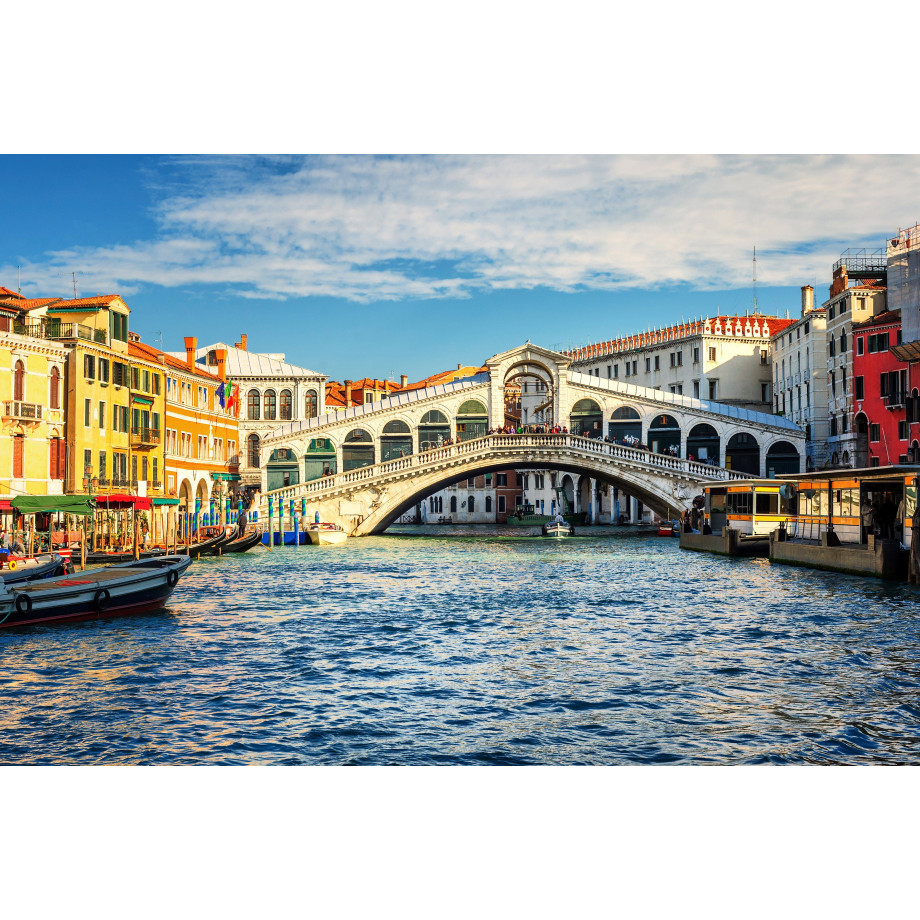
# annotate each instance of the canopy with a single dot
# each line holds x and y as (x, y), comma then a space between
(119, 500)
(67, 504)
(165, 501)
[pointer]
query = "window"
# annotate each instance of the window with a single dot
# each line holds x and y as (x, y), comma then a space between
(501, 479)
(103, 370)
(252, 443)
(833, 426)
(471, 504)
(696, 389)
(874, 432)
(17, 455)
(253, 402)
(902, 430)
(657, 362)
(616, 370)
(87, 463)
(89, 367)
(287, 405)
(102, 416)
(87, 412)
(648, 365)
(270, 402)
(134, 468)
(673, 359)
(696, 356)
(119, 374)
(102, 467)
(765, 392)
(713, 386)
(453, 504)
(628, 368)
(488, 503)
(156, 478)
(712, 353)
(502, 507)
(860, 344)
(56, 459)
(843, 341)
(609, 373)
(830, 347)
(310, 407)
(54, 400)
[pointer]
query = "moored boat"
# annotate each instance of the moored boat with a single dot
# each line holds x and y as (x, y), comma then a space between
(323, 534)
(47, 565)
(668, 529)
(116, 590)
(558, 529)
(251, 538)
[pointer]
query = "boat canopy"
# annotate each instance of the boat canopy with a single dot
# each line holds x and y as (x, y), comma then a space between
(67, 504)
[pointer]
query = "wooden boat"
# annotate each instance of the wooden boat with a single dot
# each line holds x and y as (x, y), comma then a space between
(47, 565)
(116, 590)
(558, 529)
(201, 548)
(323, 534)
(247, 541)
(667, 529)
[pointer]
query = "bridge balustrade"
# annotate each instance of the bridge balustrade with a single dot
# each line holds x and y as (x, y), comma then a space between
(509, 442)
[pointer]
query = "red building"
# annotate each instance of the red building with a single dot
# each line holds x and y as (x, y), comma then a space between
(880, 391)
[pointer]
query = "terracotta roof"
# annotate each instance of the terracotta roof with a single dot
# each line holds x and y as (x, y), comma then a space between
(880, 319)
(100, 301)
(446, 377)
(148, 353)
(34, 303)
(6, 292)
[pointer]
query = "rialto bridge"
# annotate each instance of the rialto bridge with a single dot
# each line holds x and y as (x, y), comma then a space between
(364, 466)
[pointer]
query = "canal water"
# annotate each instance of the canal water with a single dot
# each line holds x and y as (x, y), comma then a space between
(478, 646)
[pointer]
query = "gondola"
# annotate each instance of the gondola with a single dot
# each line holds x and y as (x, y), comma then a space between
(201, 548)
(109, 558)
(243, 543)
(43, 566)
(116, 590)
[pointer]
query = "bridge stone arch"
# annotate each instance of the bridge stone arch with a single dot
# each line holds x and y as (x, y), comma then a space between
(550, 367)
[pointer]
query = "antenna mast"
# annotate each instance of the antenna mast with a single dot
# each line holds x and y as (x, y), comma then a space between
(755, 280)
(19, 282)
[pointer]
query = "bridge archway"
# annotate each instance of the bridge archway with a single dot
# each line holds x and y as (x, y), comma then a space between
(626, 425)
(664, 435)
(433, 430)
(395, 440)
(472, 420)
(742, 454)
(587, 419)
(357, 450)
(703, 443)
(782, 457)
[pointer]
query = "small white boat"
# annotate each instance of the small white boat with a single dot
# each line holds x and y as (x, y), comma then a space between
(558, 529)
(323, 534)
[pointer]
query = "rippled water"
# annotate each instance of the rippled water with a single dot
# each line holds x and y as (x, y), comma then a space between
(466, 646)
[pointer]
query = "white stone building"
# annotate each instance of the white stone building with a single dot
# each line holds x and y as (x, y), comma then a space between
(800, 381)
(272, 392)
(857, 293)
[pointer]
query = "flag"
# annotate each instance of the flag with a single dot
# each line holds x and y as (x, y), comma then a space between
(220, 395)
(236, 401)
(228, 393)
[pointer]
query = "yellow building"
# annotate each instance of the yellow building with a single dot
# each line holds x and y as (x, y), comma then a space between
(32, 372)
(148, 413)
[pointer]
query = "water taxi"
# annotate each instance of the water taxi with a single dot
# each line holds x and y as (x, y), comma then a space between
(323, 534)
(558, 529)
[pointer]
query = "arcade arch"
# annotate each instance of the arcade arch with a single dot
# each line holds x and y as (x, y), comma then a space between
(587, 419)
(664, 435)
(433, 430)
(782, 457)
(395, 440)
(357, 450)
(703, 443)
(742, 454)
(625, 426)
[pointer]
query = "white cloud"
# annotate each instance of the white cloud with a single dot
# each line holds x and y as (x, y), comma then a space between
(369, 229)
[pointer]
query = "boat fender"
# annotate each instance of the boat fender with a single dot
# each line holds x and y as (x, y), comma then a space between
(102, 599)
(172, 576)
(13, 565)
(23, 603)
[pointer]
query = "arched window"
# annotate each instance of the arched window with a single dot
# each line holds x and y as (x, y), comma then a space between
(395, 441)
(587, 419)
(253, 402)
(453, 504)
(19, 381)
(488, 503)
(471, 504)
(287, 405)
(271, 405)
(55, 394)
(310, 404)
(252, 451)
(357, 450)
(56, 459)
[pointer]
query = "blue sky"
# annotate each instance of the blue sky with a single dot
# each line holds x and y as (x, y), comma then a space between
(378, 266)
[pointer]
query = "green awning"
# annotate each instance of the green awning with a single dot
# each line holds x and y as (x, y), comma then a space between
(165, 501)
(66, 504)
(142, 399)
(225, 477)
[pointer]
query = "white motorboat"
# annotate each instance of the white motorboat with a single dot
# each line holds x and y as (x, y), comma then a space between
(558, 529)
(322, 534)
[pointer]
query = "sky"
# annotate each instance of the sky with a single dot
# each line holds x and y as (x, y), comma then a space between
(379, 266)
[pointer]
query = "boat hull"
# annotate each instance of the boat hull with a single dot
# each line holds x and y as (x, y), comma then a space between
(31, 569)
(327, 537)
(558, 531)
(116, 590)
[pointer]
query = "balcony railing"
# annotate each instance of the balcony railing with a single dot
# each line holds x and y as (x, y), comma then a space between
(14, 408)
(145, 435)
(56, 330)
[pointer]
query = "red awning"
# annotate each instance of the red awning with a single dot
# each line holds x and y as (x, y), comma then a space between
(6, 504)
(120, 500)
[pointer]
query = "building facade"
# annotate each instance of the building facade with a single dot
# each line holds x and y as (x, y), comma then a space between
(272, 392)
(800, 381)
(33, 442)
(857, 293)
(724, 358)
(880, 394)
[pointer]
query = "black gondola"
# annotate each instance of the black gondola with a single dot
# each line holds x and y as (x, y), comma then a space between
(243, 543)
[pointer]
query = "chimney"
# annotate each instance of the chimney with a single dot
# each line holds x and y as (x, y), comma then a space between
(347, 393)
(808, 299)
(403, 381)
(241, 344)
(221, 355)
(191, 344)
(459, 366)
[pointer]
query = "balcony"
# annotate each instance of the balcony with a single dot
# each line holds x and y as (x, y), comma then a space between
(62, 331)
(894, 400)
(29, 412)
(145, 437)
